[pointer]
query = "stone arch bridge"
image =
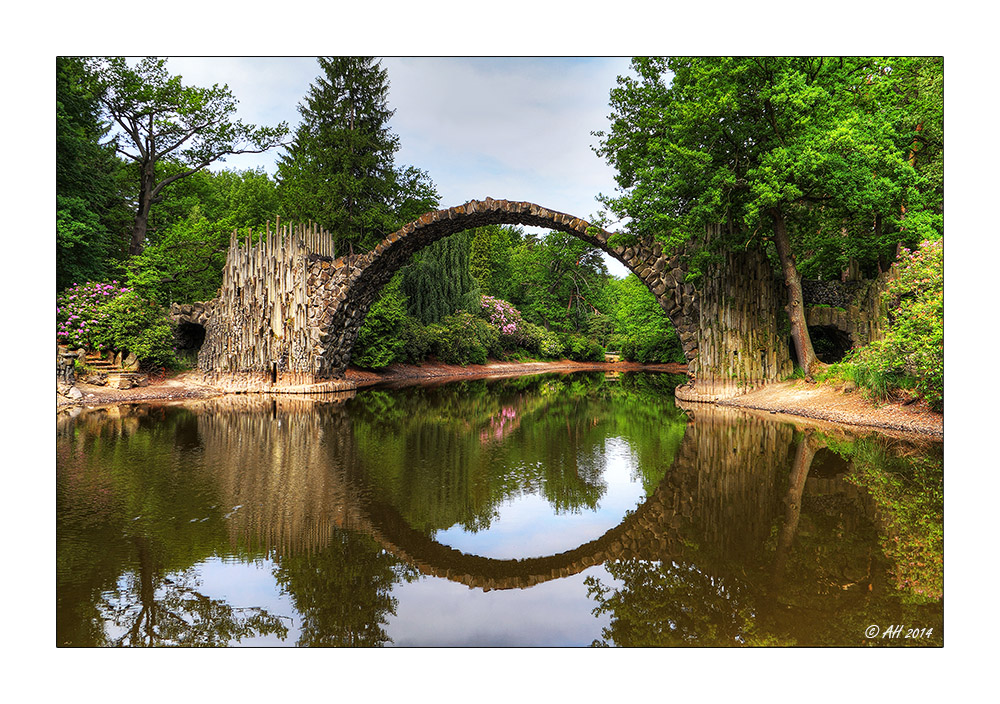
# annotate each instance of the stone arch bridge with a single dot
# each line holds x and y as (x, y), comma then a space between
(289, 311)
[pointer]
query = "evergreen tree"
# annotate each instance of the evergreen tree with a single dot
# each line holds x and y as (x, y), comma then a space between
(339, 169)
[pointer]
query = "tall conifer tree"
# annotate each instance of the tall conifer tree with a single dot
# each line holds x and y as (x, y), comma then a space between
(338, 170)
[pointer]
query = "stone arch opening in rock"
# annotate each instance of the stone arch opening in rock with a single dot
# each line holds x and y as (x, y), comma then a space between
(830, 343)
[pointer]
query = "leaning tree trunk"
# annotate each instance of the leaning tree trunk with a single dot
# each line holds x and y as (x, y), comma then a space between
(796, 304)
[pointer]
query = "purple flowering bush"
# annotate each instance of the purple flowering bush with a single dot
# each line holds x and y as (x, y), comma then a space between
(81, 313)
(100, 316)
(501, 315)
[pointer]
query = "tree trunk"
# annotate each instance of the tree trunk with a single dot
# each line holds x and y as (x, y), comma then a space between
(796, 305)
(139, 226)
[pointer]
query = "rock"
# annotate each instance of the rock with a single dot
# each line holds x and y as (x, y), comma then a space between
(96, 378)
(75, 393)
(131, 363)
(119, 382)
(850, 387)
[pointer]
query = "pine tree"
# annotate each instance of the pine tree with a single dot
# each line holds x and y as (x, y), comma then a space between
(339, 170)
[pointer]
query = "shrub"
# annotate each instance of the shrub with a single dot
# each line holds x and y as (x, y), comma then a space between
(140, 326)
(381, 340)
(912, 351)
(580, 349)
(463, 339)
(81, 313)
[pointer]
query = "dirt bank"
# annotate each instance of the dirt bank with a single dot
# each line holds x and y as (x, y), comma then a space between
(187, 385)
(831, 403)
(797, 398)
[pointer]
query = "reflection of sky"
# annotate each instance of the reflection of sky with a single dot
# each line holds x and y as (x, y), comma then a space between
(242, 584)
(527, 526)
(436, 612)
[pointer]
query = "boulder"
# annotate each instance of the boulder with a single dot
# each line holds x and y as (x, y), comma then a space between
(75, 394)
(131, 363)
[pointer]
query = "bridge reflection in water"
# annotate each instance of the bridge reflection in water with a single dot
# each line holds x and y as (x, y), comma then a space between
(734, 496)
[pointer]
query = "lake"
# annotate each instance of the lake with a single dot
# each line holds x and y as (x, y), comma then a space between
(583, 509)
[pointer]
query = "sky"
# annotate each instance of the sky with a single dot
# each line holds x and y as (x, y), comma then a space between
(507, 128)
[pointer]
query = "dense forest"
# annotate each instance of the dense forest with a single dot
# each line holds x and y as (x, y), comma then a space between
(825, 163)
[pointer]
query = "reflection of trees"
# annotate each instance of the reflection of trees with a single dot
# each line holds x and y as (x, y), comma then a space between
(150, 609)
(813, 577)
(344, 593)
(135, 511)
(453, 454)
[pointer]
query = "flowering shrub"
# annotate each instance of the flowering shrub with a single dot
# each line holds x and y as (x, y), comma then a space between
(139, 326)
(102, 316)
(913, 349)
(501, 314)
(81, 313)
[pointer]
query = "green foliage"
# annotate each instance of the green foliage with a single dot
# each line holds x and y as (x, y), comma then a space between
(581, 349)
(162, 120)
(642, 330)
(822, 143)
(183, 265)
(103, 316)
(380, 342)
(339, 169)
(81, 313)
(135, 324)
(558, 281)
(437, 282)
(464, 338)
(90, 209)
(489, 258)
(913, 346)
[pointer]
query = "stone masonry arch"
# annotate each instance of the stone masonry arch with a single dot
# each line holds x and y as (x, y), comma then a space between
(289, 310)
(347, 289)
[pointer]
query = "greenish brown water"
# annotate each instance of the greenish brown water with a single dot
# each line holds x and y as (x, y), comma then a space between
(554, 510)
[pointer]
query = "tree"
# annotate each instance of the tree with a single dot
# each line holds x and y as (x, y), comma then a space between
(558, 281)
(160, 118)
(437, 282)
(489, 257)
(760, 145)
(89, 213)
(339, 168)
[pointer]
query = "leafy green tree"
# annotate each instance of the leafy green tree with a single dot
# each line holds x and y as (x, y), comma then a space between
(339, 169)
(489, 258)
(765, 146)
(643, 331)
(558, 281)
(184, 263)
(382, 337)
(161, 119)
(90, 212)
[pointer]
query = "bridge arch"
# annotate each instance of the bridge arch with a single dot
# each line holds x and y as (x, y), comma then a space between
(289, 311)
(350, 285)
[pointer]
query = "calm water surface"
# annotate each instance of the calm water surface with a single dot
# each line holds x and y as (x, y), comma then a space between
(554, 510)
